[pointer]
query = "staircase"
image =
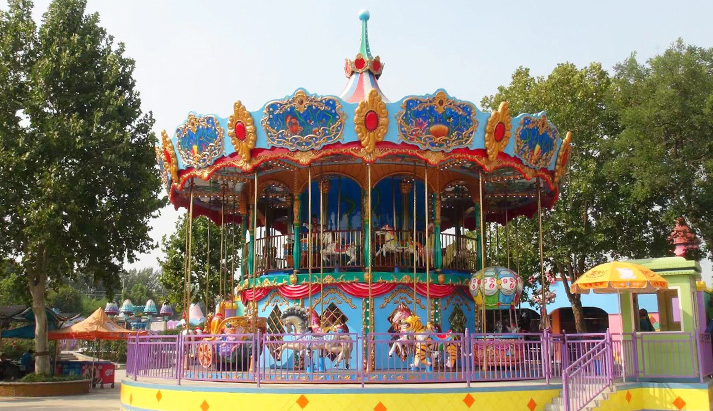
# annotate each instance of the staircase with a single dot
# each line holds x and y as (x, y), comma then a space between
(558, 402)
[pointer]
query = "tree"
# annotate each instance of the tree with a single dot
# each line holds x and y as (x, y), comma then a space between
(596, 217)
(665, 148)
(78, 172)
(174, 248)
(140, 285)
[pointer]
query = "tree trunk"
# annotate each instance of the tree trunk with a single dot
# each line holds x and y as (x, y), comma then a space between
(37, 289)
(578, 312)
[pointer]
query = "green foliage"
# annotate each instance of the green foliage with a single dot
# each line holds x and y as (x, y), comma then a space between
(78, 172)
(66, 299)
(141, 285)
(49, 378)
(665, 149)
(15, 347)
(173, 270)
(89, 305)
(13, 285)
(596, 216)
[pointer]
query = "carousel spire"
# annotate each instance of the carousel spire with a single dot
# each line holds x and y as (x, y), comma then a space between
(683, 238)
(364, 70)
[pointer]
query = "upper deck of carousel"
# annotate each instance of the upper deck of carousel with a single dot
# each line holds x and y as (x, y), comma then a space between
(275, 159)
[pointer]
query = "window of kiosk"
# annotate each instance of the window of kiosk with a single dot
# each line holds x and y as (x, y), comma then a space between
(670, 313)
(647, 312)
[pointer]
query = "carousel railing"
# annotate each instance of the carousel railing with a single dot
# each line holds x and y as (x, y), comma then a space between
(459, 252)
(272, 252)
(396, 248)
(589, 374)
(407, 357)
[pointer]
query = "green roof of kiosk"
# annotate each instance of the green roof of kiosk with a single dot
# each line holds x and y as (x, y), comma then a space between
(671, 266)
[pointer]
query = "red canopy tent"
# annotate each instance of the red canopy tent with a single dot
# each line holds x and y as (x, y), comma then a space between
(97, 326)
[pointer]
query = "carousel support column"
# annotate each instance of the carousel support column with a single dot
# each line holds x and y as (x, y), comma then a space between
(425, 246)
(187, 281)
(251, 244)
(323, 188)
(544, 320)
(437, 252)
(254, 273)
(482, 261)
(296, 244)
(370, 313)
(310, 236)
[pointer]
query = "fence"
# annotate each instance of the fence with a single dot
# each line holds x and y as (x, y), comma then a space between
(427, 357)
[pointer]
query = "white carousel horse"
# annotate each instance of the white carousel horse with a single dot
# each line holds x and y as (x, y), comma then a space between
(296, 321)
(332, 247)
(400, 346)
(390, 243)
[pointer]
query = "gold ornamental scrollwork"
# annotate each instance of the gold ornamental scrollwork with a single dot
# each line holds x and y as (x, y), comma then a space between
(371, 121)
(498, 131)
(563, 157)
(241, 130)
(170, 154)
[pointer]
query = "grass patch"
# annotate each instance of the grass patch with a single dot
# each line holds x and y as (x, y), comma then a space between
(49, 378)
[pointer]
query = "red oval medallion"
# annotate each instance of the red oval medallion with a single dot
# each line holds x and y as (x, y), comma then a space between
(167, 156)
(359, 63)
(240, 131)
(499, 132)
(371, 120)
(376, 66)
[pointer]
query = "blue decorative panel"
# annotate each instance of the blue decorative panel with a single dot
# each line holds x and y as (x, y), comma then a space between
(535, 141)
(303, 122)
(437, 123)
(200, 141)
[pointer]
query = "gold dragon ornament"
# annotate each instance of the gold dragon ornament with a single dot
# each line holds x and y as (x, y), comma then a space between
(371, 121)
(497, 131)
(241, 130)
(563, 157)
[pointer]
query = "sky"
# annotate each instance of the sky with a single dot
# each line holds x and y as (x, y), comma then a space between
(203, 56)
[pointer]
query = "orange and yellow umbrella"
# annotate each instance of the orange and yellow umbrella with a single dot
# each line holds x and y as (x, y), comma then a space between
(619, 276)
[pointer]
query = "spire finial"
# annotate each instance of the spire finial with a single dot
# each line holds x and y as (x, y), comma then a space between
(364, 49)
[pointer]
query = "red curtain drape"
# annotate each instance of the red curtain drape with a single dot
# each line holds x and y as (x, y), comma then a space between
(295, 292)
(360, 290)
(247, 295)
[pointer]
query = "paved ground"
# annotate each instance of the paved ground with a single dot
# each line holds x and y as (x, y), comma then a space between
(99, 399)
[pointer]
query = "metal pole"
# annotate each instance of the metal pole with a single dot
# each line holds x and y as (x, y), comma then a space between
(207, 265)
(254, 273)
(188, 254)
(543, 304)
(482, 247)
(371, 303)
(425, 246)
(415, 257)
(309, 235)
(321, 246)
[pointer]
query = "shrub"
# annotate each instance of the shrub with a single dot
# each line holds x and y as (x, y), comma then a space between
(49, 378)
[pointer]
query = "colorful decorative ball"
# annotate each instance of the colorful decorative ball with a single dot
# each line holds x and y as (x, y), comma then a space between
(496, 287)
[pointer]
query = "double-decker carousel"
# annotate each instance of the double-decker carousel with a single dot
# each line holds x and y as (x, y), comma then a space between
(364, 223)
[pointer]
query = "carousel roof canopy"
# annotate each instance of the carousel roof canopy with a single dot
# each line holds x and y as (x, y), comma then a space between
(216, 157)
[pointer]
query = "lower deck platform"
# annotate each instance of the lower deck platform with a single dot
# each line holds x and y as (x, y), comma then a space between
(164, 395)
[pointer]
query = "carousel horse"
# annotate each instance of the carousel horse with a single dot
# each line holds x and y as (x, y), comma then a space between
(296, 321)
(396, 319)
(422, 349)
(332, 247)
(390, 243)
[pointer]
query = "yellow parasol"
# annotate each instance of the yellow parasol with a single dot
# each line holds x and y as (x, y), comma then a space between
(618, 276)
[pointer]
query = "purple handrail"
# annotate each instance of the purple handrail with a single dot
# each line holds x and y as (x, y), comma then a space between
(588, 376)
(466, 357)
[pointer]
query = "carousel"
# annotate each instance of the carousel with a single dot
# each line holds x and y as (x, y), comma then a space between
(363, 219)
